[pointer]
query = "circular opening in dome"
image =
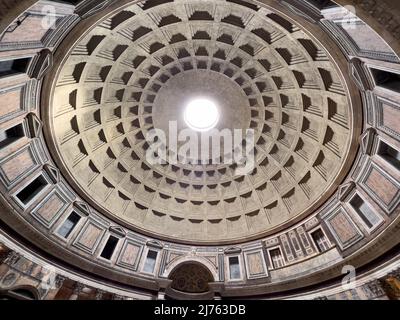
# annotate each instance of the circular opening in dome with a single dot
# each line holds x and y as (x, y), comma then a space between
(201, 114)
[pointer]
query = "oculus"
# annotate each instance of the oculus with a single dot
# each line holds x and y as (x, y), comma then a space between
(201, 114)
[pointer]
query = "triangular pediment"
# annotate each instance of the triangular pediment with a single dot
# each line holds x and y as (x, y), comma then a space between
(82, 206)
(118, 231)
(345, 189)
(53, 172)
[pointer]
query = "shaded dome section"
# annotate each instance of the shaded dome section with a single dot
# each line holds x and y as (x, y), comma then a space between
(124, 78)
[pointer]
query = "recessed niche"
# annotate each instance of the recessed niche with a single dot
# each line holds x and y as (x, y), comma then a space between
(234, 268)
(29, 192)
(365, 212)
(389, 154)
(277, 258)
(109, 248)
(320, 240)
(69, 224)
(12, 67)
(11, 135)
(386, 79)
(150, 262)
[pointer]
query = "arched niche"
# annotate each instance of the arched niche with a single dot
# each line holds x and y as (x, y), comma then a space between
(190, 279)
(19, 293)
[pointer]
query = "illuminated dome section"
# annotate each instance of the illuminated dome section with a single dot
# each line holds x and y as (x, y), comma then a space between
(201, 114)
(140, 68)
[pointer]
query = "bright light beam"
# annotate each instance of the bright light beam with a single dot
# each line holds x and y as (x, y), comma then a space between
(201, 115)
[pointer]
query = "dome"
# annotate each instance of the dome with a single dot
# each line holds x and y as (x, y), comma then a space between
(137, 70)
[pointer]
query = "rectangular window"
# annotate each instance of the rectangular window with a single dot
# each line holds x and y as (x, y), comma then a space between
(109, 248)
(68, 226)
(32, 190)
(389, 154)
(234, 268)
(366, 214)
(321, 242)
(277, 258)
(11, 135)
(11, 67)
(150, 262)
(386, 79)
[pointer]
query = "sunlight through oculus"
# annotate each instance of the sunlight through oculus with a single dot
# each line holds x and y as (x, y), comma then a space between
(201, 115)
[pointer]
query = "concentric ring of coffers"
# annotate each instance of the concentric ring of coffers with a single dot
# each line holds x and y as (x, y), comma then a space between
(296, 101)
